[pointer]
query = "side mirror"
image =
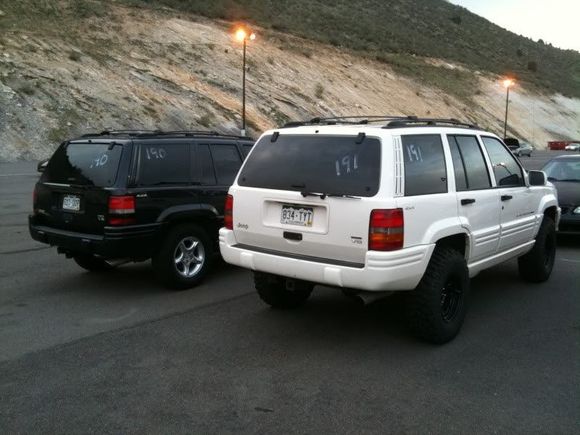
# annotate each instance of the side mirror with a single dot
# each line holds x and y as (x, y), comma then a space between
(537, 178)
(42, 165)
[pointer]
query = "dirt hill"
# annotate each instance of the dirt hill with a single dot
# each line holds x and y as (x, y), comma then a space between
(159, 68)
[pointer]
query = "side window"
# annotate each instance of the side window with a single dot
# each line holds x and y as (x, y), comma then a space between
(227, 162)
(468, 156)
(163, 164)
(206, 173)
(506, 169)
(458, 165)
(424, 164)
(246, 148)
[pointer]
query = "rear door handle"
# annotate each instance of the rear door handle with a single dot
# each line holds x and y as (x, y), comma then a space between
(467, 201)
(506, 197)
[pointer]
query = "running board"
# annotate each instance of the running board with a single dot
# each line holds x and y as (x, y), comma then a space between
(478, 266)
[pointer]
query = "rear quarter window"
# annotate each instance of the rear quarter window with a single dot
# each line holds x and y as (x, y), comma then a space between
(163, 164)
(425, 171)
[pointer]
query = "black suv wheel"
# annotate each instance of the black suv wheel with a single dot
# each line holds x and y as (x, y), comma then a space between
(436, 308)
(184, 258)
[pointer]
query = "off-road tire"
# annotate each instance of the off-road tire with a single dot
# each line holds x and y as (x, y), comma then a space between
(436, 308)
(165, 264)
(280, 292)
(91, 263)
(536, 266)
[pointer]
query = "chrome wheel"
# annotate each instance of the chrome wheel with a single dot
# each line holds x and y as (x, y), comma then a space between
(189, 257)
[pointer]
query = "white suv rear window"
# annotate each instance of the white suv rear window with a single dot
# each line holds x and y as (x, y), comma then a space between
(322, 164)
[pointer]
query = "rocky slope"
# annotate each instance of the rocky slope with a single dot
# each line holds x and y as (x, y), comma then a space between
(160, 69)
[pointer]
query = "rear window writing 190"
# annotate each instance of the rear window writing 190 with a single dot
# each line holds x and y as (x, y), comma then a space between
(313, 163)
(161, 165)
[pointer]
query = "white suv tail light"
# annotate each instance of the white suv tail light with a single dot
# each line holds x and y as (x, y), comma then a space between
(386, 230)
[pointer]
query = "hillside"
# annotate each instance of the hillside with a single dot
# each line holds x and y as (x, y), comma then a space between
(68, 67)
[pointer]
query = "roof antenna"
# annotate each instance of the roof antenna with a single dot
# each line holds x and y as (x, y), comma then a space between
(275, 136)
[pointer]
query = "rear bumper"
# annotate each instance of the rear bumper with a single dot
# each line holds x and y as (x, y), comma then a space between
(138, 242)
(381, 271)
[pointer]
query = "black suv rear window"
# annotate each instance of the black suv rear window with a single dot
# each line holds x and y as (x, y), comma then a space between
(321, 164)
(84, 164)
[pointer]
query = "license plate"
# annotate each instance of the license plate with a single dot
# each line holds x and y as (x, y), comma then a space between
(71, 202)
(293, 215)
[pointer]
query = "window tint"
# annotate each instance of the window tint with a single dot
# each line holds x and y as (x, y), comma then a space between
(474, 168)
(246, 148)
(506, 169)
(458, 165)
(206, 174)
(84, 164)
(315, 163)
(227, 162)
(425, 171)
(163, 164)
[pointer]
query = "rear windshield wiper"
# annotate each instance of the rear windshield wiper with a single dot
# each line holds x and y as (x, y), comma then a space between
(342, 195)
(320, 195)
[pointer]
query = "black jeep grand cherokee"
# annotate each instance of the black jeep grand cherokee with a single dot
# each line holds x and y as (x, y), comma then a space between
(133, 195)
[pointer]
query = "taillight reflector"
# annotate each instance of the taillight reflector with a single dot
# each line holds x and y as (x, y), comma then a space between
(386, 230)
(229, 213)
(119, 208)
(121, 204)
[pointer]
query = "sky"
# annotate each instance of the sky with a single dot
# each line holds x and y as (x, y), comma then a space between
(554, 21)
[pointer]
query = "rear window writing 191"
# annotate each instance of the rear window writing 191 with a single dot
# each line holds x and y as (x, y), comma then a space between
(318, 164)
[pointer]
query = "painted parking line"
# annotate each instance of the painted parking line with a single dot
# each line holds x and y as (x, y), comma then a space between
(569, 260)
(17, 175)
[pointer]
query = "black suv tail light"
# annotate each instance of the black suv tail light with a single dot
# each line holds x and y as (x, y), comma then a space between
(386, 230)
(229, 213)
(121, 210)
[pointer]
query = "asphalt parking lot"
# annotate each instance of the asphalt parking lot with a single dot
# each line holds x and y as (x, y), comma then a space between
(117, 353)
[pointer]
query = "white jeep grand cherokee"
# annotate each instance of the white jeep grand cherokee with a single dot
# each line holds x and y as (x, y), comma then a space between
(416, 205)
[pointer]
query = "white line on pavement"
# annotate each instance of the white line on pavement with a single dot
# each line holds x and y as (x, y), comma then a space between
(570, 261)
(16, 175)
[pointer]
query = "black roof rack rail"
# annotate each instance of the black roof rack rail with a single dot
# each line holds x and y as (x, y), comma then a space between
(347, 120)
(145, 133)
(429, 122)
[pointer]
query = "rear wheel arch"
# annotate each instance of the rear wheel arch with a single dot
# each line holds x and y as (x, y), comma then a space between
(458, 242)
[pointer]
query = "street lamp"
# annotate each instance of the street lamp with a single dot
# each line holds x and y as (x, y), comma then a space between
(507, 83)
(242, 35)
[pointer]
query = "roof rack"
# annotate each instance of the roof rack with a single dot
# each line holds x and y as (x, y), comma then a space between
(428, 122)
(145, 133)
(348, 120)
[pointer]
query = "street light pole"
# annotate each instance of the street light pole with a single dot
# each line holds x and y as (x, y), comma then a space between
(243, 132)
(508, 84)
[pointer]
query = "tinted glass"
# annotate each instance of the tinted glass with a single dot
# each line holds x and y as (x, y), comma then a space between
(563, 170)
(227, 162)
(425, 171)
(458, 165)
(163, 164)
(206, 174)
(246, 150)
(476, 176)
(84, 164)
(506, 169)
(321, 164)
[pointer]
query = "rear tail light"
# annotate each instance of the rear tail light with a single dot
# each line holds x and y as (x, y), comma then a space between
(121, 210)
(229, 213)
(386, 230)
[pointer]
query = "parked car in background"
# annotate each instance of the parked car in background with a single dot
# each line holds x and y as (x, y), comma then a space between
(518, 148)
(113, 197)
(573, 147)
(525, 149)
(564, 173)
(414, 205)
